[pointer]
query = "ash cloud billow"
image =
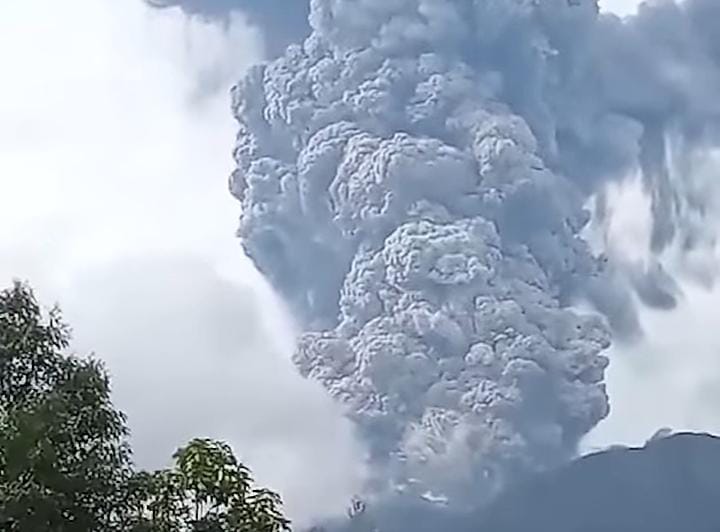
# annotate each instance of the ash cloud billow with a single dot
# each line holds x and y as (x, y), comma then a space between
(281, 22)
(413, 179)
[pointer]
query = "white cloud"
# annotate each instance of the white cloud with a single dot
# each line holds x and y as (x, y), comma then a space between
(671, 376)
(115, 140)
(620, 7)
(669, 379)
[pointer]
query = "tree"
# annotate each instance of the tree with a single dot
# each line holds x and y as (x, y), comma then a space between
(207, 490)
(65, 464)
(63, 452)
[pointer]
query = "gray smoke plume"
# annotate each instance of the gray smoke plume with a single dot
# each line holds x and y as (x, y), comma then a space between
(281, 21)
(412, 180)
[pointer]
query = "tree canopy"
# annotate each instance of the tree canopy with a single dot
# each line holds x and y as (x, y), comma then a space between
(65, 461)
(207, 490)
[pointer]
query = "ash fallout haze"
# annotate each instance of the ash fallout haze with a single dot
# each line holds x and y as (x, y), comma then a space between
(464, 241)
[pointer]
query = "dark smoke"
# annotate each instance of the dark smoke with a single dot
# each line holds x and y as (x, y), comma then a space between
(413, 180)
(281, 21)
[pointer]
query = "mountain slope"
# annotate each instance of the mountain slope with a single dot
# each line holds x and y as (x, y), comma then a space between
(671, 484)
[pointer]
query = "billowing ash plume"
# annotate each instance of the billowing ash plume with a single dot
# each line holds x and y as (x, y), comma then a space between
(413, 179)
(281, 21)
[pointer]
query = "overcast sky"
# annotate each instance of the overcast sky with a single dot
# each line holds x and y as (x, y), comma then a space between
(115, 143)
(671, 378)
(620, 7)
(115, 139)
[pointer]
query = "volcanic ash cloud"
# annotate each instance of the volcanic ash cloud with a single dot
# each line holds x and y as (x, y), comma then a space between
(404, 183)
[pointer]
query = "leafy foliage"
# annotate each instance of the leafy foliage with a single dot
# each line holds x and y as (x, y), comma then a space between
(65, 464)
(207, 490)
(63, 450)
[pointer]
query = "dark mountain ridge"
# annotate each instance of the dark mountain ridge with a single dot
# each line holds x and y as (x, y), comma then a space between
(672, 484)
